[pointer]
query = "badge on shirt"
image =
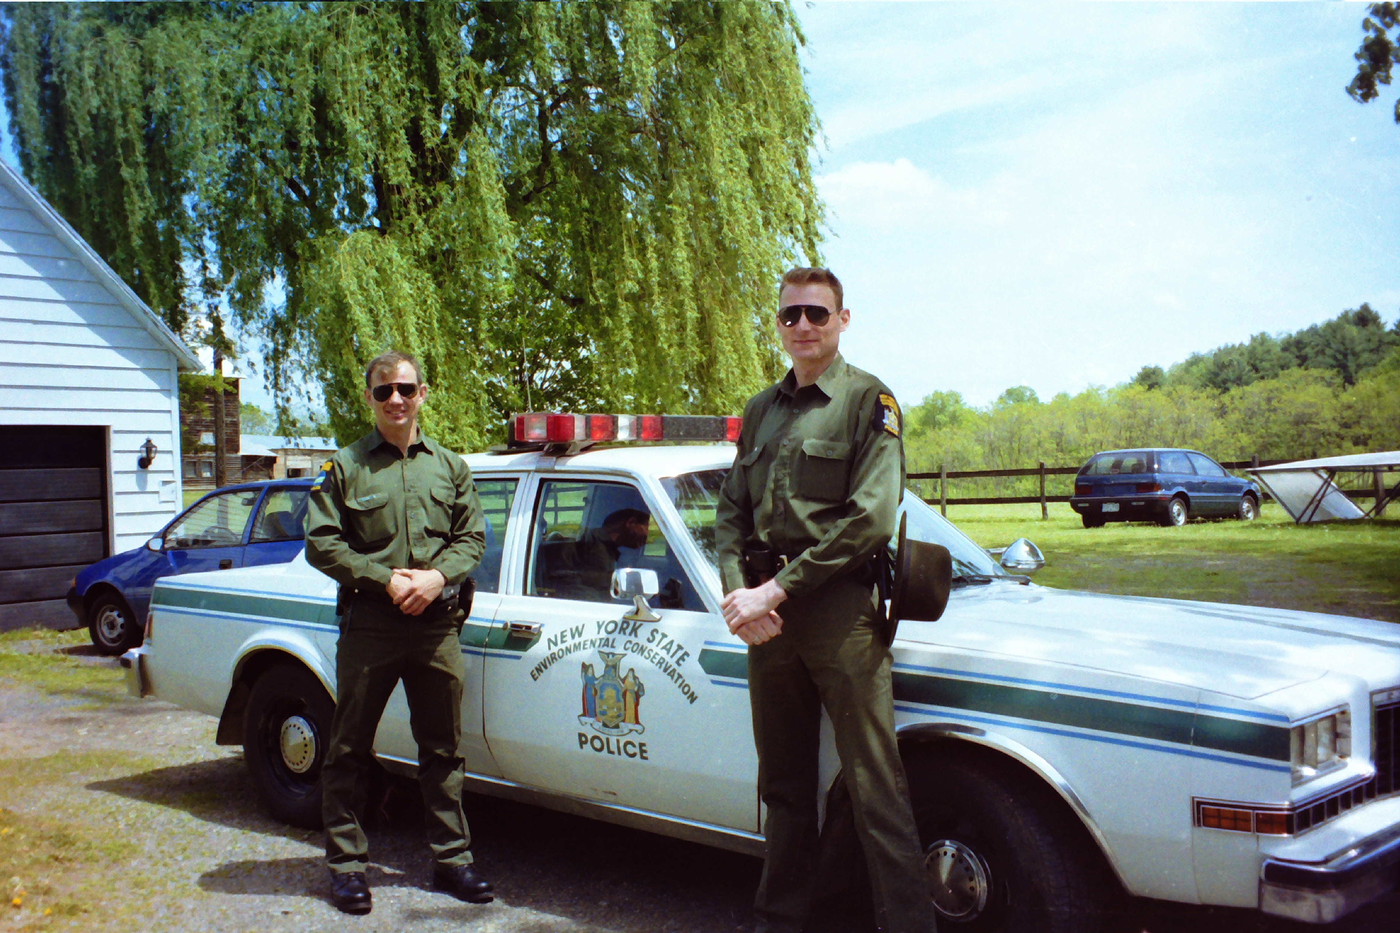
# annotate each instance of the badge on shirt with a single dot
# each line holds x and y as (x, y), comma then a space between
(889, 414)
(325, 468)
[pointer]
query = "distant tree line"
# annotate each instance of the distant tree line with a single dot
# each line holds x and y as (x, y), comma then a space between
(1333, 388)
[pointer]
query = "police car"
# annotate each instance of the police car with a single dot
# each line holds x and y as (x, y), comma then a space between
(1063, 748)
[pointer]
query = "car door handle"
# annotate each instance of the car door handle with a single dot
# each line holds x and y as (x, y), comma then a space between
(524, 628)
(226, 563)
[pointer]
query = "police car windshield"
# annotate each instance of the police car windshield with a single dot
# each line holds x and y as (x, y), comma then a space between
(696, 494)
(926, 524)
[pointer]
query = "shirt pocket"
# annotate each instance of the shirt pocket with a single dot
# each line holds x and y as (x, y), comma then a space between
(441, 500)
(823, 470)
(370, 519)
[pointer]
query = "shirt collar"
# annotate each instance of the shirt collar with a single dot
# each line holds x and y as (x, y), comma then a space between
(826, 382)
(420, 443)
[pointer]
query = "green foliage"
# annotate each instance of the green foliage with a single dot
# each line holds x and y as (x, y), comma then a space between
(1330, 389)
(576, 205)
(1349, 344)
(253, 420)
(1378, 54)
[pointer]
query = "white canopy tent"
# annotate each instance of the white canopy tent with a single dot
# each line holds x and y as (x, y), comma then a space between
(1308, 488)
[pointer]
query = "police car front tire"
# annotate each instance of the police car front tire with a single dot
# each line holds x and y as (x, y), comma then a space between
(1001, 855)
(285, 731)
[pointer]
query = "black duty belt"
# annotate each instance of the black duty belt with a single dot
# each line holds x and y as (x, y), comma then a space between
(447, 600)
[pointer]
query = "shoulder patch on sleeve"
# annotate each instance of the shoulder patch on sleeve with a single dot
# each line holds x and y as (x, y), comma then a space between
(888, 417)
(321, 478)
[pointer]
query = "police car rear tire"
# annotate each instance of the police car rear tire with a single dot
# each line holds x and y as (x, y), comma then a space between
(1001, 856)
(286, 728)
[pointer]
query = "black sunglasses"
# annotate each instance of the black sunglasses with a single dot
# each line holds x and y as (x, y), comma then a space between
(789, 316)
(382, 393)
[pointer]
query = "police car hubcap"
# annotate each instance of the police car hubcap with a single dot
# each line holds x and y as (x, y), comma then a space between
(958, 879)
(298, 742)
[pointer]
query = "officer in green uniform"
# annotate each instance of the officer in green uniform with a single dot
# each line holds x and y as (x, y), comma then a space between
(813, 494)
(585, 569)
(395, 520)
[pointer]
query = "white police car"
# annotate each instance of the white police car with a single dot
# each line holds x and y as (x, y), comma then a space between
(1063, 748)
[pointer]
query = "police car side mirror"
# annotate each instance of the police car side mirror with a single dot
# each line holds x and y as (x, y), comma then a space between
(1022, 557)
(638, 586)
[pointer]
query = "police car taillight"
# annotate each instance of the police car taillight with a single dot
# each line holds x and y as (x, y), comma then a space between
(552, 428)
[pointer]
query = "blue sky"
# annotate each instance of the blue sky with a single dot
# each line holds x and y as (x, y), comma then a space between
(1058, 194)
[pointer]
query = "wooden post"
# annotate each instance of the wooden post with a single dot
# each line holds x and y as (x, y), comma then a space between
(1044, 507)
(1380, 493)
(220, 430)
(943, 488)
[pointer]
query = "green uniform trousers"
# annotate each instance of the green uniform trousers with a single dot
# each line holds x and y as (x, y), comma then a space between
(831, 654)
(378, 647)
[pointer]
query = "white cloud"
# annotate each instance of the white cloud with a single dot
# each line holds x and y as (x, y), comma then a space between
(1058, 195)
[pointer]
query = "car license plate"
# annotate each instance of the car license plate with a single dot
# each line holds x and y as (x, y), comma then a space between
(1110, 506)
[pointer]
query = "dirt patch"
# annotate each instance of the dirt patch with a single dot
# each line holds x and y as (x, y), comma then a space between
(122, 814)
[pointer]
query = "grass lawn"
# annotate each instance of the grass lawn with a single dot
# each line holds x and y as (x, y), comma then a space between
(1351, 568)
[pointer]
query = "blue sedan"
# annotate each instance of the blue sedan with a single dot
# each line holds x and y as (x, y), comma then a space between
(237, 526)
(1167, 485)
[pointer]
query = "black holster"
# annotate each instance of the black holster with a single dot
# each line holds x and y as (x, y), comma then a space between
(760, 563)
(882, 567)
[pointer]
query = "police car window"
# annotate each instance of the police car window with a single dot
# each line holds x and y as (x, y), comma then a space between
(584, 531)
(218, 521)
(497, 496)
(695, 496)
(283, 515)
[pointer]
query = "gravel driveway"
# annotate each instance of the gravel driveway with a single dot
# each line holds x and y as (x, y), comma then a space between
(156, 828)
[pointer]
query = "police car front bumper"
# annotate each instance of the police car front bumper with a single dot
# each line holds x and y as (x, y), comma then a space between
(138, 680)
(1321, 892)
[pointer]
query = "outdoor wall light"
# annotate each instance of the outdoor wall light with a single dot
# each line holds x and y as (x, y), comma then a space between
(148, 454)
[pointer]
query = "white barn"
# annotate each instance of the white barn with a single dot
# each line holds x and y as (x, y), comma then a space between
(88, 375)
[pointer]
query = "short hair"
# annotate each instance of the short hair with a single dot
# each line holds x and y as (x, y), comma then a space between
(622, 516)
(810, 275)
(391, 360)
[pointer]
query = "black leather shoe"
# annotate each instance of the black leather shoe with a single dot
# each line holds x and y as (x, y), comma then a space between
(350, 892)
(463, 883)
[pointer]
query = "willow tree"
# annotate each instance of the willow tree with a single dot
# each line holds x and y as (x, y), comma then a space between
(552, 204)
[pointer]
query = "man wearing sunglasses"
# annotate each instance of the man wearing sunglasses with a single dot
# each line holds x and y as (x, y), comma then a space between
(395, 520)
(803, 516)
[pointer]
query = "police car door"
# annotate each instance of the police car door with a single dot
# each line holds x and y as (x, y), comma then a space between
(395, 739)
(586, 698)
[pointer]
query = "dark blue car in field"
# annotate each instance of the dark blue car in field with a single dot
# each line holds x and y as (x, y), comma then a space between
(236, 526)
(1167, 485)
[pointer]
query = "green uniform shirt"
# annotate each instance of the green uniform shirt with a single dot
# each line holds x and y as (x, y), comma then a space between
(374, 509)
(818, 476)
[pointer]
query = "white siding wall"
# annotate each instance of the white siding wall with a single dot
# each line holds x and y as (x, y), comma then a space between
(71, 353)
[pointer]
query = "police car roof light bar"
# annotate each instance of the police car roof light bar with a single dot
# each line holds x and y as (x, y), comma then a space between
(557, 428)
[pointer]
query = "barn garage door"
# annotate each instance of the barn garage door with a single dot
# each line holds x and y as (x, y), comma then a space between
(53, 519)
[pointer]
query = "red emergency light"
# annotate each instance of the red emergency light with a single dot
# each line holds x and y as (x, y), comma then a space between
(538, 427)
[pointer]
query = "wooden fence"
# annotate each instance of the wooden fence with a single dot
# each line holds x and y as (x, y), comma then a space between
(1042, 471)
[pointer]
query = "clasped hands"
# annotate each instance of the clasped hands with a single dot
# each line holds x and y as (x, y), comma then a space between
(750, 614)
(413, 591)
